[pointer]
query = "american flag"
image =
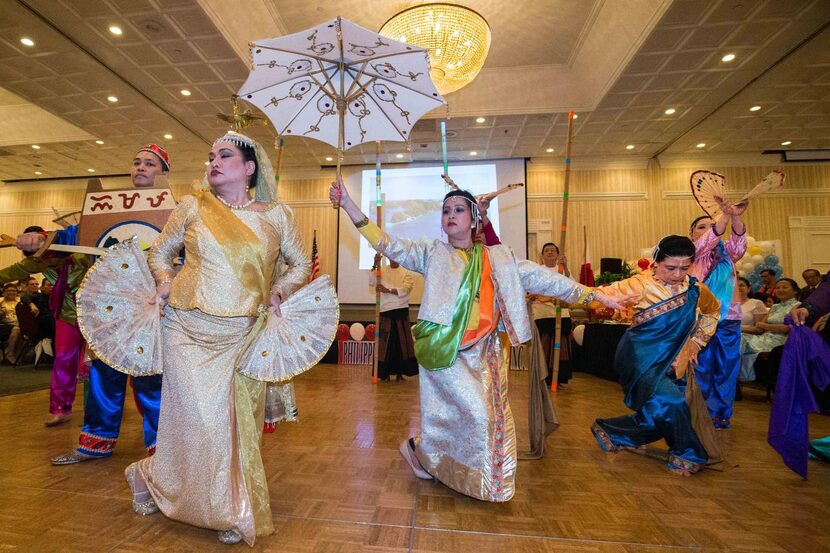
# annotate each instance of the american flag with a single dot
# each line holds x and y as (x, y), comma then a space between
(315, 260)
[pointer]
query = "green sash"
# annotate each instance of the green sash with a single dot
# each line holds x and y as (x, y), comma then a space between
(436, 346)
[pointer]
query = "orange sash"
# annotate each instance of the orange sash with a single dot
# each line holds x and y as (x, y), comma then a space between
(488, 316)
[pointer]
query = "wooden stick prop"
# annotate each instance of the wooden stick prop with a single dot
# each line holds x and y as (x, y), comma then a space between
(563, 232)
(500, 191)
(489, 195)
(7, 241)
(378, 206)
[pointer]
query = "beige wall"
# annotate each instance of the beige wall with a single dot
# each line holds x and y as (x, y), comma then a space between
(625, 210)
(619, 226)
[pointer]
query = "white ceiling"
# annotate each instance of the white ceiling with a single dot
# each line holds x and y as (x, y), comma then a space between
(619, 64)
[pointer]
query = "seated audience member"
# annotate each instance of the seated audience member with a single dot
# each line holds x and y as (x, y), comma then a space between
(9, 329)
(769, 300)
(812, 279)
(811, 310)
(46, 288)
(773, 330)
(768, 285)
(752, 311)
(39, 304)
(815, 307)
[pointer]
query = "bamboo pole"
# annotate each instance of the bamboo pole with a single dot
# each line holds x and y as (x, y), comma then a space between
(378, 207)
(444, 148)
(563, 231)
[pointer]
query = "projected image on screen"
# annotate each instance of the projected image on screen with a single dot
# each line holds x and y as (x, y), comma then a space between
(412, 196)
(412, 200)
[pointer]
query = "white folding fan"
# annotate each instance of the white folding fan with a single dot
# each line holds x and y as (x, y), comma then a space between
(293, 343)
(116, 312)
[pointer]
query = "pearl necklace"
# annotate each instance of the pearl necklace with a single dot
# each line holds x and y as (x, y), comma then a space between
(235, 206)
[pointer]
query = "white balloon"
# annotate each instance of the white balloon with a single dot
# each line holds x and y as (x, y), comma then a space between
(357, 331)
(747, 267)
(756, 260)
(765, 246)
(750, 241)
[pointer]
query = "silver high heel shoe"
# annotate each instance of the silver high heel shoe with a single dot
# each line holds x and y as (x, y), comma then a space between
(143, 508)
(230, 537)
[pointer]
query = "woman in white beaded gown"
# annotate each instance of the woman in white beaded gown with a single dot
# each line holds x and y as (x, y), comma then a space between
(468, 438)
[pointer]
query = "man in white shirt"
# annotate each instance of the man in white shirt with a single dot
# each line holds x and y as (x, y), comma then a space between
(396, 353)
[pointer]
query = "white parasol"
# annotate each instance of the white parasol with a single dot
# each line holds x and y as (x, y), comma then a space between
(341, 84)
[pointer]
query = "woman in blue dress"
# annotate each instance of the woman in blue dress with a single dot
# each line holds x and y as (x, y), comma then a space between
(674, 319)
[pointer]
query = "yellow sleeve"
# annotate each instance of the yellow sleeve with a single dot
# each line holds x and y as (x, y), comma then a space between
(709, 309)
(170, 241)
(371, 232)
(631, 285)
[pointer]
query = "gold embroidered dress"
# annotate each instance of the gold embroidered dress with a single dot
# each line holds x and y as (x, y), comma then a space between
(207, 470)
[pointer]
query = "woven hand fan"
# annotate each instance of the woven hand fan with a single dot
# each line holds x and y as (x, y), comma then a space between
(116, 312)
(292, 344)
(708, 190)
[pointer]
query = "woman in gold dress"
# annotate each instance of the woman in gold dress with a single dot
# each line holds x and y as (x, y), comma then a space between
(207, 470)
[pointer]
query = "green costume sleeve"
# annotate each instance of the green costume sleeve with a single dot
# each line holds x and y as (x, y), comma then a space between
(22, 269)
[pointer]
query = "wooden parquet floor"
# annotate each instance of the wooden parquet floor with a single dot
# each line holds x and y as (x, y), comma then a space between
(338, 485)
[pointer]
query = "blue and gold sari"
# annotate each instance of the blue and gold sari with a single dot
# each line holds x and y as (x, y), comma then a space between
(644, 361)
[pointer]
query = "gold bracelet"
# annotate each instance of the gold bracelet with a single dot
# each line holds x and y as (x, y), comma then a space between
(362, 223)
(589, 297)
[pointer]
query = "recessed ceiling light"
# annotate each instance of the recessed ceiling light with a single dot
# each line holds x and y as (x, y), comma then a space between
(399, 156)
(670, 111)
(754, 108)
(116, 30)
(185, 92)
(112, 99)
(727, 58)
(91, 170)
(329, 158)
(168, 136)
(35, 146)
(480, 120)
(549, 150)
(38, 173)
(701, 145)
(786, 142)
(26, 41)
(473, 153)
(630, 147)
(99, 141)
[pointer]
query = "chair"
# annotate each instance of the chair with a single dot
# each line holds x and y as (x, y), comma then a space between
(32, 339)
(3, 341)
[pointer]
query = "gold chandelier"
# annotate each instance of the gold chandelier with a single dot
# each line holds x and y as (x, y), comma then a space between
(456, 37)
